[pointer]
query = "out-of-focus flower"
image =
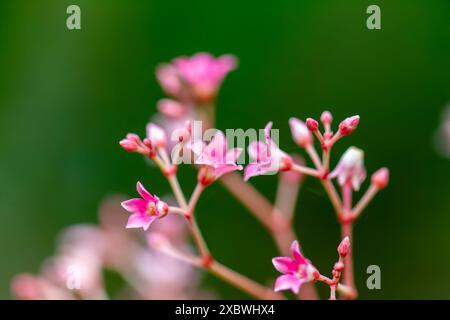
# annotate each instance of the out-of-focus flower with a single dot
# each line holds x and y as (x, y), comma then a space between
(215, 159)
(156, 135)
(300, 133)
(144, 211)
(169, 79)
(268, 157)
(198, 77)
(171, 108)
(296, 270)
(350, 168)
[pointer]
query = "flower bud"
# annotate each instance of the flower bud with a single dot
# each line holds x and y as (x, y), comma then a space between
(380, 178)
(312, 124)
(344, 247)
(339, 266)
(131, 142)
(348, 125)
(326, 118)
(300, 133)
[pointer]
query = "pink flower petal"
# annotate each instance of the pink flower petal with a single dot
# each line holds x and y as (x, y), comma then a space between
(285, 264)
(136, 220)
(144, 193)
(258, 151)
(135, 205)
(286, 282)
(232, 155)
(295, 250)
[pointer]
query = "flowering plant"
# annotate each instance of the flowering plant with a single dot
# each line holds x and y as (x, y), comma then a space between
(193, 84)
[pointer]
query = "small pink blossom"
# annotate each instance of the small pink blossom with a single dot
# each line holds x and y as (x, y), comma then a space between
(300, 133)
(296, 270)
(350, 168)
(144, 211)
(198, 77)
(348, 125)
(269, 158)
(380, 178)
(204, 73)
(156, 135)
(215, 159)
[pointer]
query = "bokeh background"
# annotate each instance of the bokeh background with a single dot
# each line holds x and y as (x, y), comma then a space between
(68, 97)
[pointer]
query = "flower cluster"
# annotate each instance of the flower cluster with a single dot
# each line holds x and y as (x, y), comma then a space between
(192, 84)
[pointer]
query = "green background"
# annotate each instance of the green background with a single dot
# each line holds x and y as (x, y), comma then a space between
(68, 97)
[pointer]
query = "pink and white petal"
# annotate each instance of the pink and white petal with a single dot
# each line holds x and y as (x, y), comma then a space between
(285, 264)
(136, 220)
(156, 134)
(233, 155)
(224, 169)
(287, 282)
(252, 170)
(144, 193)
(227, 63)
(258, 151)
(148, 222)
(296, 253)
(135, 205)
(217, 148)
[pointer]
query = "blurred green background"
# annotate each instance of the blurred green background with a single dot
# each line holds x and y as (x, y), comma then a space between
(68, 97)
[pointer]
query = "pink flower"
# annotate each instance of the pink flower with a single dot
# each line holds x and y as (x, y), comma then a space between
(215, 159)
(198, 77)
(296, 271)
(269, 158)
(146, 210)
(204, 73)
(350, 168)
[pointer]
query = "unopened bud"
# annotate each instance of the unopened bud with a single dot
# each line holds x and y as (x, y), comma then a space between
(339, 266)
(348, 125)
(312, 125)
(300, 133)
(326, 117)
(344, 247)
(380, 178)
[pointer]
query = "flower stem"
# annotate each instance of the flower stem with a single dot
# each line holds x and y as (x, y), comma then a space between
(306, 170)
(347, 231)
(176, 189)
(242, 282)
(364, 201)
(278, 224)
(251, 287)
(193, 227)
